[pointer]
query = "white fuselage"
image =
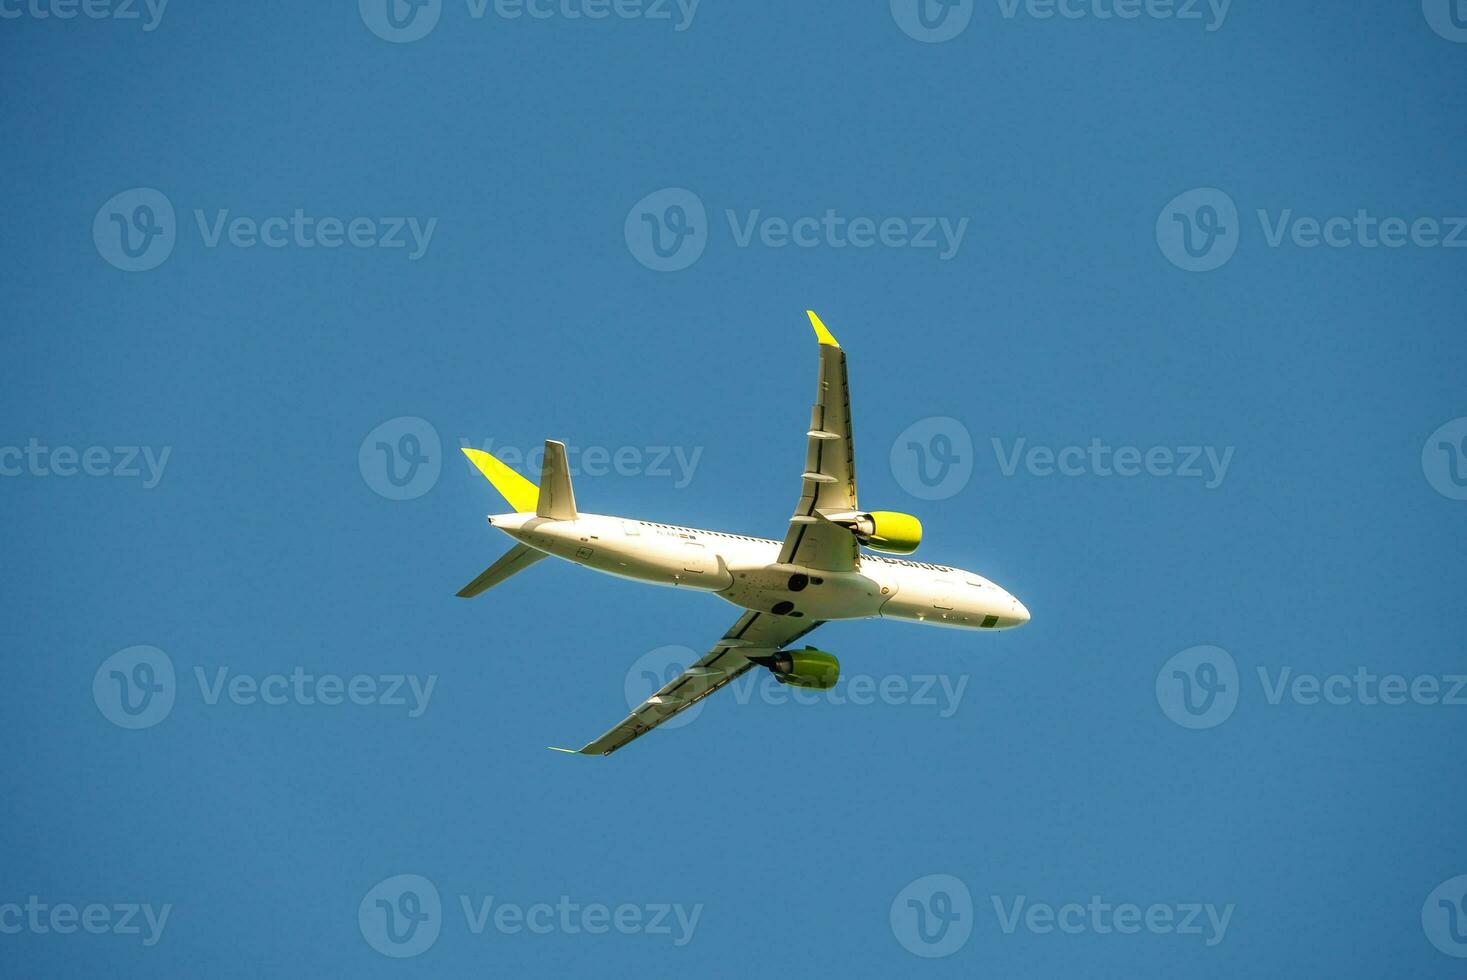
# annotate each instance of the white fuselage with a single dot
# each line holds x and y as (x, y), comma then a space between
(746, 572)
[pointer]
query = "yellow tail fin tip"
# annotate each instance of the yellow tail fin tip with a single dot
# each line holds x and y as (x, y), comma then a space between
(821, 334)
(520, 493)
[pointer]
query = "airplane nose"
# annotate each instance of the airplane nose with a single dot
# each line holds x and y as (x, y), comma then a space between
(1018, 615)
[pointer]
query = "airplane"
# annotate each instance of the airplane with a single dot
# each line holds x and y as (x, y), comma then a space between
(818, 573)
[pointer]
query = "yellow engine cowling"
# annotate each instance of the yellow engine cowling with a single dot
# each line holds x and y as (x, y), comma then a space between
(809, 667)
(889, 531)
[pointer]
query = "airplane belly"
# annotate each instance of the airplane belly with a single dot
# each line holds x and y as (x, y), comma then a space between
(788, 590)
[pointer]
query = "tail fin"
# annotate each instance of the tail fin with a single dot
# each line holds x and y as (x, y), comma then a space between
(557, 499)
(514, 560)
(554, 498)
(520, 493)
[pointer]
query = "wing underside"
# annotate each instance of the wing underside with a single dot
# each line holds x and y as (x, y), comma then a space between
(828, 484)
(755, 634)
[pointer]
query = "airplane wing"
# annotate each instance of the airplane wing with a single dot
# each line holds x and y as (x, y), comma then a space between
(755, 634)
(829, 480)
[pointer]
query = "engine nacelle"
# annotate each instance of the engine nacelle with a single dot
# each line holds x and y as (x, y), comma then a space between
(803, 668)
(884, 530)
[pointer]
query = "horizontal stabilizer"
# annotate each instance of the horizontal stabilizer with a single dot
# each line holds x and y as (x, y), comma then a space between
(516, 559)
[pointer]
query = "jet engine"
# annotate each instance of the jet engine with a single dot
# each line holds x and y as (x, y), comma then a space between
(803, 668)
(883, 530)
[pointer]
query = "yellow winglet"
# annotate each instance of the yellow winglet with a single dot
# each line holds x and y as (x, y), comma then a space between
(821, 334)
(521, 494)
(557, 748)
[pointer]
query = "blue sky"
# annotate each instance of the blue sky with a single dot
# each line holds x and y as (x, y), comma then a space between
(1218, 253)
